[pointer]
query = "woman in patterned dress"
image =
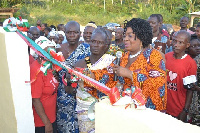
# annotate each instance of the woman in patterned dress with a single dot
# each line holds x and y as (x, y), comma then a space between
(140, 66)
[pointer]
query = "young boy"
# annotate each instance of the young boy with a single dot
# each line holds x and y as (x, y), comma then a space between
(180, 66)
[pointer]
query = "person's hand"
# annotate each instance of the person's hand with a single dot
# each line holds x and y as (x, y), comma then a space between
(182, 116)
(92, 75)
(56, 75)
(39, 59)
(70, 90)
(195, 88)
(122, 71)
(67, 76)
(48, 128)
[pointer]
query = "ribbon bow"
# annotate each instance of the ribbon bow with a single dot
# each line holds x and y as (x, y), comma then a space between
(136, 94)
(16, 23)
(57, 56)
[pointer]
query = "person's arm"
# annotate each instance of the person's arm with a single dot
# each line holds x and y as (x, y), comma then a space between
(191, 71)
(183, 115)
(40, 111)
(122, 71)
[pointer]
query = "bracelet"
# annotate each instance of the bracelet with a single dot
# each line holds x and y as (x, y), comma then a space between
(186, 110)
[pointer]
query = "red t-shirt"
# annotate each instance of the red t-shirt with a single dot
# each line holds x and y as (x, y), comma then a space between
(177, 69)
(45, 88)
(39, 27)
(31, 59)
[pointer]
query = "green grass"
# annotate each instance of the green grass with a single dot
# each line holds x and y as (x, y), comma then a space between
(64, 12)
(84, 11)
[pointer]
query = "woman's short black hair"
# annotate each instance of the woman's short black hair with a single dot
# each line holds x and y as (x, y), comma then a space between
(47, 28)
(53, 26)
(155, 15)
(193, 36)
(142, 29)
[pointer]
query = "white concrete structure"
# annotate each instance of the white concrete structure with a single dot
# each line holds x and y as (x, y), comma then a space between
(193, 15)
(15, 97)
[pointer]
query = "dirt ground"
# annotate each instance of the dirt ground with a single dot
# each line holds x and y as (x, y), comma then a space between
(176, 28)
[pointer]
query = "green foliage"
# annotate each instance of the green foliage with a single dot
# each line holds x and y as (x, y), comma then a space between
(61, 11)
(9, 3)
(4, 4)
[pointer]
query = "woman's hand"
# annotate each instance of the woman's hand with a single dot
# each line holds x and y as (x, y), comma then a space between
(48, 128)
(39, 59)
(56, 75)
(67, 75)
(121, 71)
(40, 111)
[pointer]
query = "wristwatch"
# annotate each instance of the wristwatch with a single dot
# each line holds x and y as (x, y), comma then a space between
(186, 110)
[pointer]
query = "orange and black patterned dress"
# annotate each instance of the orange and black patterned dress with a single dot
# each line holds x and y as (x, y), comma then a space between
(149, 74)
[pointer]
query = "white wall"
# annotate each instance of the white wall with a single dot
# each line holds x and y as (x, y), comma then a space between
(19, 70)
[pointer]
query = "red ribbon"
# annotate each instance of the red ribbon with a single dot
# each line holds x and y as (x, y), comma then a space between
(138, 96)
(58, 57)
(24, 29)
(114, 95)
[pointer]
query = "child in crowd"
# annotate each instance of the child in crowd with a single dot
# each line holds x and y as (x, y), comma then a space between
(61, 30)
(180, 67)
(53, 27)
(46, 32)
(194, 52)
(198, 30)
(43, 26)
(61, 37)
(61, 27)
(39, 24)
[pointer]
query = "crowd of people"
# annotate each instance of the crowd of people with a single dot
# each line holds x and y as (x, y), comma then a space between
(164, 66)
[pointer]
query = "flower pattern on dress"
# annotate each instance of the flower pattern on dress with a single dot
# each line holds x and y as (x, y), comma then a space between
(141, 77)
(147, 54)
(67, 121)
(149, 104)
(103, 80)
(162, 65)
(121, 79)
(162, 90)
